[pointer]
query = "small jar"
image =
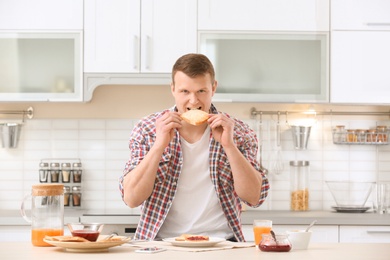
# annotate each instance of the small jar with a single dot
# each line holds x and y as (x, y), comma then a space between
(371, 136)
(339, 135)
(43, 172)
(67, 194)
(77, 172)
(65, 172)
(351, 136)
(76, 196)
(268, 243)
(361, 135)
(382, 133)
(299, 185)
(54, 172)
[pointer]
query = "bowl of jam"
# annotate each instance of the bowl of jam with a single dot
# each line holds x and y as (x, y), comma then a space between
(89, 231)
(280, 243)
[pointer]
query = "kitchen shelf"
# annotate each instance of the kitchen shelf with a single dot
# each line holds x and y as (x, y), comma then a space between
(345, 137)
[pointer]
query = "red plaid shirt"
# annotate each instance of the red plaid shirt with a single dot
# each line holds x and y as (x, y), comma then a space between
(155, 209)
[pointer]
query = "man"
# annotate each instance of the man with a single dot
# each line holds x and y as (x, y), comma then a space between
(192, 179)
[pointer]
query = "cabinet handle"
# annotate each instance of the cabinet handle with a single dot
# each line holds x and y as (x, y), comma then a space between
(378, 231)
(147, 52)
(378, 24)
(136, 52)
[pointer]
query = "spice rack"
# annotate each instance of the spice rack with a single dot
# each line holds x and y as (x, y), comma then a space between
(361, 136)
(67, 171)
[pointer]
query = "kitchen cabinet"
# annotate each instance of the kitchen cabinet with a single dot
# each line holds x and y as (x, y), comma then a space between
(268, 15)
(360, 55)
(364, 234)
(41, 15)
(321, 233)
(137, 36)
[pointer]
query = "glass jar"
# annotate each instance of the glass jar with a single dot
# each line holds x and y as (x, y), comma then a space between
(361, 135)
(67, 194)
(47, 212)
(54, 172)
(382, 133)
(43, 172)
(339, 134)
(268, 243)
(76, 196)
(299, 185)
(371, 136)
(351, 136)
(65, 172)
(77, 172)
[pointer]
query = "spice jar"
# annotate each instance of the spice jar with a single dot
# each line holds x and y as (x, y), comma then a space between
(43, 172)
(65, 172)
(54, 172)
(76, 196)
(361, 135)
(47, 212)
(280, 243)
(351, 136)
(299, 185)
(77, 172)
(67, 194)
(382, 133)
(339, 134)
(371, 136)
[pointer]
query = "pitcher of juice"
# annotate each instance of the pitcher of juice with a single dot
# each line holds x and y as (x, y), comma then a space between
(47, 212)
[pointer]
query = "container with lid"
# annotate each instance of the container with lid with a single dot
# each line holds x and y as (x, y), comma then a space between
(77, 172)
(76, 196)
(65, 172)
(54, 172)
(43, 172)
(67, 195)
(47, 212)
(299, 185)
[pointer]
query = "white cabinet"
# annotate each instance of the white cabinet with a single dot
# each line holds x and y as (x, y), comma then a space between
(321, 233)
(41, 14)
(15, 233)
(360, 56)
(270, 15)
(365, 234)
(137, 36)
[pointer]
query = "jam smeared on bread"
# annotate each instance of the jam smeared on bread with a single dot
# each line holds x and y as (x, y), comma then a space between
(192, 238)
(195, 117)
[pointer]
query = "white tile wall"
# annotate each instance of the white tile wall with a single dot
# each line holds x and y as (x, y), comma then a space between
(102, 147)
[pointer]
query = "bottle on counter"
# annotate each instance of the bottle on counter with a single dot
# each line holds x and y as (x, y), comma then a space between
(76, 196)
(43, 172)
(65, 172)
(54, 172)
(77, 172)
(299, 185)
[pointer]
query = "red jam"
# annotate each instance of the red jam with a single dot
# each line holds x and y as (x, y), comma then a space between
(87, 234)
(275, 248)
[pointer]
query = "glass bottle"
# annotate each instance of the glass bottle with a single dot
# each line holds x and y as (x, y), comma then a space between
(54, 172)
(77, 172)
(299, 185)
(43, 172)
(65, 172)
(47, 212)
(76, 196)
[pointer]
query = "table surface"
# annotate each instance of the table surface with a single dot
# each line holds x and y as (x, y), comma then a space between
(24, 250)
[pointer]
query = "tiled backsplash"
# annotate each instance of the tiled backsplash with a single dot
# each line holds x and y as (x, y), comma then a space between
(102, 146)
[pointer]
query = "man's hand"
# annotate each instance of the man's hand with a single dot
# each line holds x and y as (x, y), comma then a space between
(165, 126)
(222, 128)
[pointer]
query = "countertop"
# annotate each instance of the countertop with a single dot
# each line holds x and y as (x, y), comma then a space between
(286, 217)
(12, 250)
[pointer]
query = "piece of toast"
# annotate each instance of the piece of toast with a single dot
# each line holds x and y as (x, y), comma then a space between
(195, 117)
(192, 238)
(66, 239)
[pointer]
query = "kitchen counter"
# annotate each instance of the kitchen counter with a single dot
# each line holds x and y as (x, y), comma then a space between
(315, 251)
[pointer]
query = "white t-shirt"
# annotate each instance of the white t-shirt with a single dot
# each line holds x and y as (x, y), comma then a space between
(195, 208)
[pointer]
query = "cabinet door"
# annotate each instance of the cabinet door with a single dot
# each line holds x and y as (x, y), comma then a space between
(360, 15)
(321, 233)
(111, 36)
(364, 234)
(168, 31)
(360, 62)
(270, 15)
(41, 14)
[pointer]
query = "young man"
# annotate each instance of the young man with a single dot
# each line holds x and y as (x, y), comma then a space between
(191, 179)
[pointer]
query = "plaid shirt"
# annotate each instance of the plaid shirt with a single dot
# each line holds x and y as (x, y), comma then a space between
(155, 209)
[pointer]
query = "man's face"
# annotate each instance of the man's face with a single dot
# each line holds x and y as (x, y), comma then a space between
(193, 93)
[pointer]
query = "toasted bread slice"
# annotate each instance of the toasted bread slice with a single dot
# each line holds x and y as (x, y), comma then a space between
(192, 238)
(66, 239)
(195, 117)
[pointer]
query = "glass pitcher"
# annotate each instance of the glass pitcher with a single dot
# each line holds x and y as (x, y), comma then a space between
(47, 212)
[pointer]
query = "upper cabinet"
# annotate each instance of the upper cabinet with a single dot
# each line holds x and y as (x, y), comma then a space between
(41, 15)
(137, 36)
(360, 56)
(268, 15)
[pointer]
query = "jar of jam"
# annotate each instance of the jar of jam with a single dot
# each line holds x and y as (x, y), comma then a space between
(281, 243)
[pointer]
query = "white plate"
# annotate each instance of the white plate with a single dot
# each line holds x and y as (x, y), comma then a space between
(211, 242)
(350, 209)
(85, 247)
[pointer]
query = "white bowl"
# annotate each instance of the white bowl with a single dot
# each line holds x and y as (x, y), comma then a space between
(299, 239)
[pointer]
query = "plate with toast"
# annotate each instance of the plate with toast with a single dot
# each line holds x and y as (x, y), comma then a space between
(194, 240)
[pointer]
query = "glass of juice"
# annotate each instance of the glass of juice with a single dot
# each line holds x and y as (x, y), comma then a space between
(261, 226)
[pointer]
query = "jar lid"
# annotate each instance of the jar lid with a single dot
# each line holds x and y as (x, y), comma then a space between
(54, 165)
(66, 189)
(43, 164)
(48, 189)
(299, 163)
(65, 165)
(76, 188)
(77, 164)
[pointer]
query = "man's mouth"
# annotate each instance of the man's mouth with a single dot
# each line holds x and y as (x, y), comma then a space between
(194, 108)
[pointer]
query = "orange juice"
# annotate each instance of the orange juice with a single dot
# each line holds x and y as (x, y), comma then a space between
(37, 235)
(258, 231)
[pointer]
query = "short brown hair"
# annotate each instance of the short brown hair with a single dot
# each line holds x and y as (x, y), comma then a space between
(193, 65)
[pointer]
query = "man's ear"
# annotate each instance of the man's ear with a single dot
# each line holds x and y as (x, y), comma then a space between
(214, 87)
